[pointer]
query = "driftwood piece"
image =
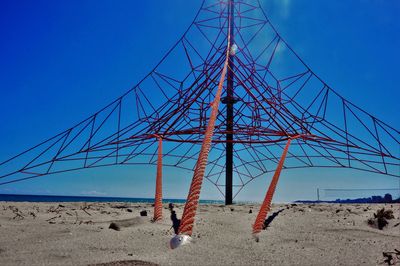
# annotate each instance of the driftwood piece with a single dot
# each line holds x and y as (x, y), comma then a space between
(392, 258)
(18, 215)
(120, 206)
(76, 215)
(117, 225)
(84, 209)
(53, 209)
(52, 218)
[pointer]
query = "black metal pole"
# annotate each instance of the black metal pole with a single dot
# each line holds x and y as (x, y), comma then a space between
(229, 114)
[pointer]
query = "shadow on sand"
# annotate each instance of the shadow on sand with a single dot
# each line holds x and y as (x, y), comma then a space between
(270, 218)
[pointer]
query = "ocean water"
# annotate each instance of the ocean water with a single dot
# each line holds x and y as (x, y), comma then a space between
(47, 198)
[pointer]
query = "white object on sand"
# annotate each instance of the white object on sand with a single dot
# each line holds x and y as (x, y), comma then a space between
(179, 240)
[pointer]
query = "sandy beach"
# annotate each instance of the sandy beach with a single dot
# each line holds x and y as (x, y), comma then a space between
(302, 234)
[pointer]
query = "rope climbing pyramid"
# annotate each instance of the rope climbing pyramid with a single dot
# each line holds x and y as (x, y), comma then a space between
(224, 102)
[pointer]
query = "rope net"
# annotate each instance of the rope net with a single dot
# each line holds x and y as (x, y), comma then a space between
(277, 96)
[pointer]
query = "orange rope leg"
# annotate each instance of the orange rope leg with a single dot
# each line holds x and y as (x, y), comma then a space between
(189, 212)
(158, 196)
(266, 205)
(192, 201)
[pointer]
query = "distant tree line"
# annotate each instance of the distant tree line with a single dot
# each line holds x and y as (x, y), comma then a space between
(373, 199)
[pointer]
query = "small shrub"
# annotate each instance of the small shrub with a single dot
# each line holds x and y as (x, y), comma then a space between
(382, 213)
(380, 218)
(382, 223)
(371, 221)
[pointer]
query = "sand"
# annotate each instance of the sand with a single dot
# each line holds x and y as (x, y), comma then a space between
(79, 234)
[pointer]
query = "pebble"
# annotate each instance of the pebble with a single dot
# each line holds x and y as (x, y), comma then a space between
(114, 226)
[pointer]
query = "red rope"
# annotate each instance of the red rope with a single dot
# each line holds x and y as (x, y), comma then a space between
(158, 196)
(266, 205)
(189, 212)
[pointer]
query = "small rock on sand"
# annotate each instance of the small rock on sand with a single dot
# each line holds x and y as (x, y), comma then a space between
(114, 226)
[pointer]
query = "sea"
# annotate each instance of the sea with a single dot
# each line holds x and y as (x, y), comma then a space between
(53, 198)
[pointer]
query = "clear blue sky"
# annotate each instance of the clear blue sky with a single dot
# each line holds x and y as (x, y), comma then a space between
(61, 61)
